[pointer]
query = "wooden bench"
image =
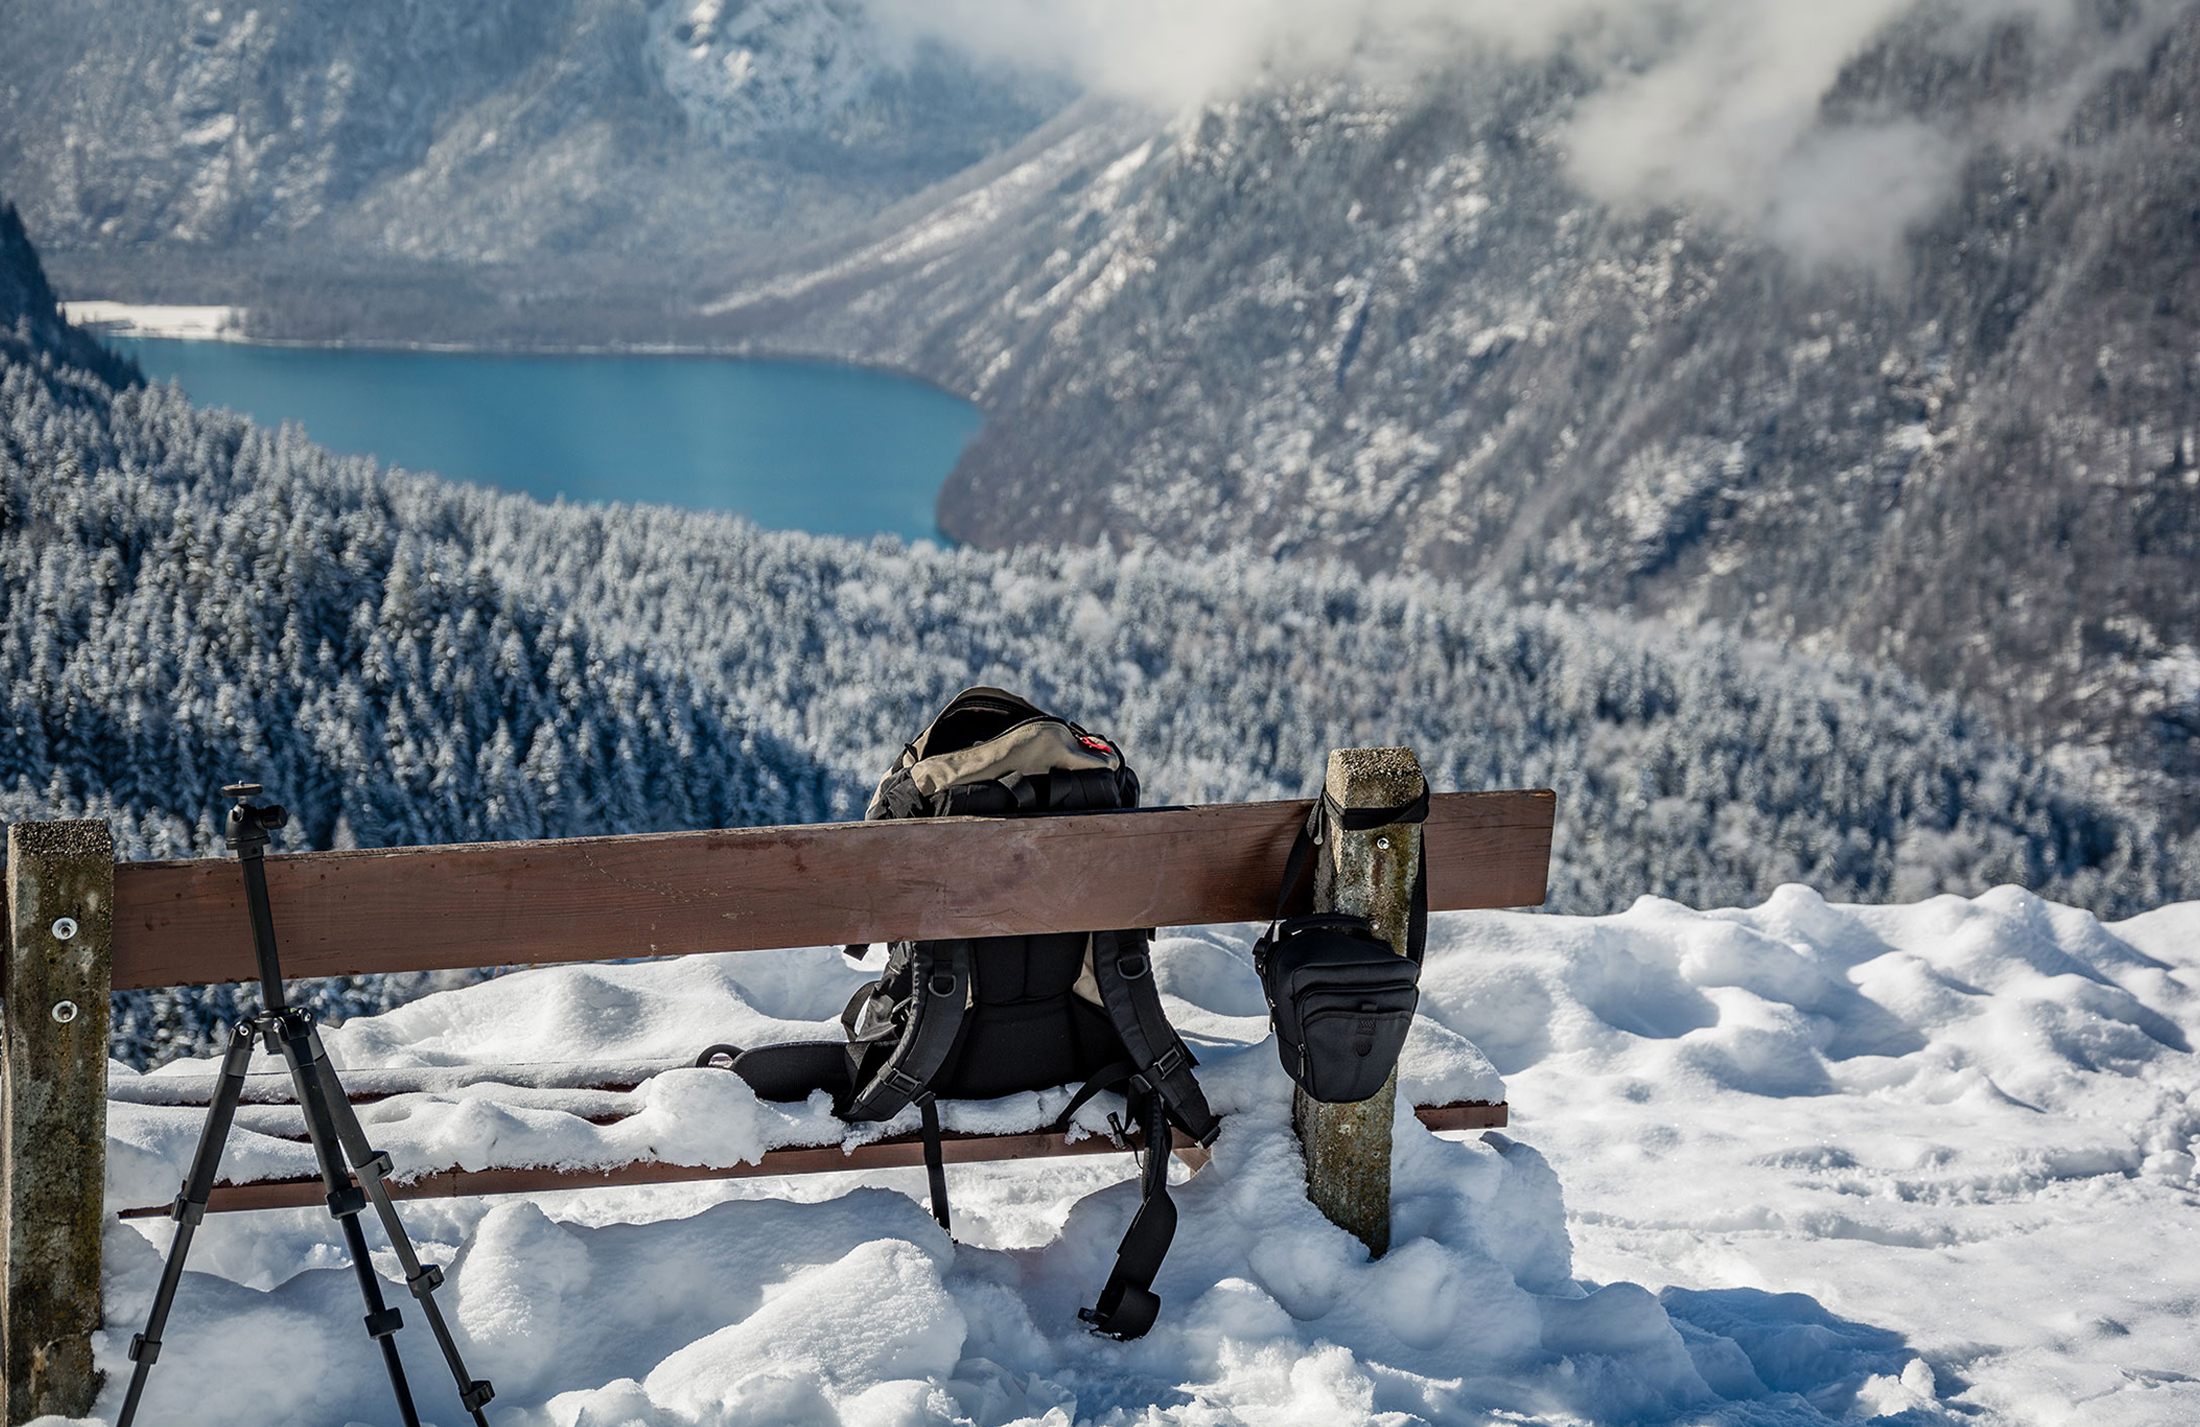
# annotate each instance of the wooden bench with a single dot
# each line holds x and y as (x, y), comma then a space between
(151, 924)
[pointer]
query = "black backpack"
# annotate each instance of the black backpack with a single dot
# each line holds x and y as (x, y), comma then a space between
(977, 1018)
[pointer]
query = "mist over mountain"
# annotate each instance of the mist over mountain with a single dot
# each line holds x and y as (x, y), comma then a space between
(1920, 382)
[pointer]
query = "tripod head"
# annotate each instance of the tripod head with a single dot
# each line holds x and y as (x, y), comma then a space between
(249, 825)
(247, 835)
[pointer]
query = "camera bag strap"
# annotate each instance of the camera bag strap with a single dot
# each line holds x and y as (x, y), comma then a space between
(1328, 817)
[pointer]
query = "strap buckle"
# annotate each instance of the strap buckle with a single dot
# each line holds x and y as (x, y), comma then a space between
(1414, 810)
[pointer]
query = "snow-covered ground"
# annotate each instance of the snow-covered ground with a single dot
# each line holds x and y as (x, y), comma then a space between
(147, 319)
(1789, 1164)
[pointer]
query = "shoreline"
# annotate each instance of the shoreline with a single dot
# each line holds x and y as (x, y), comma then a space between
(179, 323)
(104, 318)
(127, 321)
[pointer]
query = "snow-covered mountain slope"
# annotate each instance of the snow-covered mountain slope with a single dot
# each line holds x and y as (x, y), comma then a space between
(40, 327)
(1799, 1163)
(1969, 1123)
(1388, 321)
(488, 136)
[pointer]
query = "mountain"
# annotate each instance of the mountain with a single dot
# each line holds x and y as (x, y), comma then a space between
(495, 153)
(1937, 406)
(1940, 409)
(1385, 321)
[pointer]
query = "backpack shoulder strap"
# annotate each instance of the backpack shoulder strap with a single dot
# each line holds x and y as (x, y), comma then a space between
(924, 1025)
(788, 1071)
(1128, 1305)
(1122, 969)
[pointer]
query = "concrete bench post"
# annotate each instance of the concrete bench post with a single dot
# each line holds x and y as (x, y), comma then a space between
(53, 1111)
(1369, 874)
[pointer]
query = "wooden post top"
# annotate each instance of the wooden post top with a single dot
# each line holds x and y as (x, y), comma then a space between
(1373, 777)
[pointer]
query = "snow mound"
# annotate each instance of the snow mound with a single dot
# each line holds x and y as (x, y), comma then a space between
(1950, 1144)
(1825, 1163)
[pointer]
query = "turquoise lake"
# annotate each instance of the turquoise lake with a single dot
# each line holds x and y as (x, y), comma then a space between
(792, 445)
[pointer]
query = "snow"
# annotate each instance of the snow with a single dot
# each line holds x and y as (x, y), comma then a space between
(1910, 1164)
(145, 319)
(779, 67)
(939, 231)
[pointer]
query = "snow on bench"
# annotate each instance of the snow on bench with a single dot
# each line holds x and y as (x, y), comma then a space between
(895, 1151)
(489, 1127)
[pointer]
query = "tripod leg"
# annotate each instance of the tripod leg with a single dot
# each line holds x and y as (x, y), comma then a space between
(372, 1168)
(344, 1198)
(190, 1208)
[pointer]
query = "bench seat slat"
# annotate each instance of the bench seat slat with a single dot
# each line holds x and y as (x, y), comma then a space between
(896, 1151)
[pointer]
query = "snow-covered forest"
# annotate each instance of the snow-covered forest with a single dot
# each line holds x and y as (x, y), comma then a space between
(191, 599)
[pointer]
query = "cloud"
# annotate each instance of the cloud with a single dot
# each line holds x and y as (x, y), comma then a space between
(1713, 104)
(1725, 117)
(1848, 195)
(1732, 92)
(1178, 52)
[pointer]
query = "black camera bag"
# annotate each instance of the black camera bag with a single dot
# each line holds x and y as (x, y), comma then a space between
(1339, 994)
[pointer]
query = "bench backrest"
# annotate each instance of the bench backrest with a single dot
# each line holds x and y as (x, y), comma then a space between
(745, 889)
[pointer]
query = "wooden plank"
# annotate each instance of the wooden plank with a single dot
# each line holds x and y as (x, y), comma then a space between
(275, 1090)
(1465, 1115)
(1369, 874)
(53, 1112)
(669, 894)
(899, 1151)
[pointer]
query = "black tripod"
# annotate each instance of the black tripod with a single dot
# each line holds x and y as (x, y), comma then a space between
(330, 1124)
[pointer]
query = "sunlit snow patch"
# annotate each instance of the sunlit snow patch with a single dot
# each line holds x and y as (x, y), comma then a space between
(1781, 1117)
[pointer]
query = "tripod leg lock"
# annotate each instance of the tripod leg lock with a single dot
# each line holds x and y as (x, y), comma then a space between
(425, 1282)
(477, 1395)
(186, 1210)
(382, 1323)
(351, 1199)
(378, 1164)
(144, 1350)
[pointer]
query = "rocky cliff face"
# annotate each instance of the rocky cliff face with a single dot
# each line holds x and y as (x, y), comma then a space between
(1385, 324)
